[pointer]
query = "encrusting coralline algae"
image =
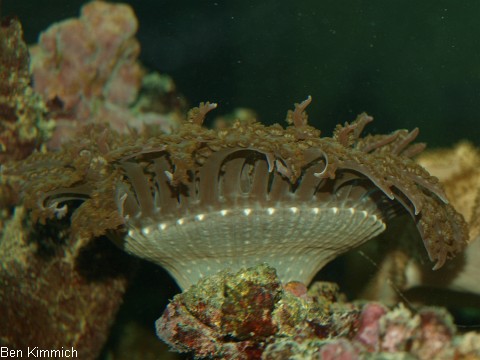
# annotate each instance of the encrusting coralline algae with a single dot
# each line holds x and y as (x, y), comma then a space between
(251, 315)
(198, 201)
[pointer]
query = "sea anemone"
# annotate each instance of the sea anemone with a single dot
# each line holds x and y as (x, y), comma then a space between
(200, 200)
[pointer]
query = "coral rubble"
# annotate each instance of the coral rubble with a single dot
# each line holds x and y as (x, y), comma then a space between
(271, 322)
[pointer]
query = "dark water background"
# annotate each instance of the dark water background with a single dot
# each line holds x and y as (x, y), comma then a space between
(408, 63)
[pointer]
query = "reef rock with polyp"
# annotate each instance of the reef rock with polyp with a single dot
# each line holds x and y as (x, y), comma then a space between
(198, 200)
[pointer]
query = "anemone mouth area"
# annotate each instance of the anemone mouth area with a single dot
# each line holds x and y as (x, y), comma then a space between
(296, 240)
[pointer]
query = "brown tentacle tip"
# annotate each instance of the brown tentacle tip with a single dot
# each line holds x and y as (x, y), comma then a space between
(348, 134)
(298, 117)
(197, 114)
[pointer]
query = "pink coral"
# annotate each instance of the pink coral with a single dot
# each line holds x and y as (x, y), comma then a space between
(90, 57)
(87, 71)
(338, 349)
(369, 331)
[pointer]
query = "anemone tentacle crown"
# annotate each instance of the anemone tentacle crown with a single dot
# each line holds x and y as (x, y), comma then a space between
(200, 200)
